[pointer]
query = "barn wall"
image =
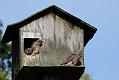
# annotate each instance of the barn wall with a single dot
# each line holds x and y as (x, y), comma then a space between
(15, 58)
(60, 38)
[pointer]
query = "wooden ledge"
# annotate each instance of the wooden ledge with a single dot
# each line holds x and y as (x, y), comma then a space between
(50, 73)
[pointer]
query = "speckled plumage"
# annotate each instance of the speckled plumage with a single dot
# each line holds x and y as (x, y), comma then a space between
(34, 48)
(74, 59)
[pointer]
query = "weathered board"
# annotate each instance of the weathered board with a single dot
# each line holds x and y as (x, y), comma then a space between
(15, 58)
(60, 39)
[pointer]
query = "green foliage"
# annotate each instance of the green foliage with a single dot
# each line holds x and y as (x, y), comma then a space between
(5, 56)
(4, 53)
(85, 76)
(3, 76)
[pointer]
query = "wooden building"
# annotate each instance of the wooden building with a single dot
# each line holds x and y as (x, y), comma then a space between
(48, 45)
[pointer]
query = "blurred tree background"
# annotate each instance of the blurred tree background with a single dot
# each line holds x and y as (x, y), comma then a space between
(85, 76)
(5, 57)
(3, 76)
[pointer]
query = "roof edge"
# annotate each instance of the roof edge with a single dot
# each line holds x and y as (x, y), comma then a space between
(90, 30)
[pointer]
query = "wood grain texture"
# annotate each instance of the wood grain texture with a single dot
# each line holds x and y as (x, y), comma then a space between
(60, 39)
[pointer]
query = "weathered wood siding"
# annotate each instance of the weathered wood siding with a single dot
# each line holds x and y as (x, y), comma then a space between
(60, 39)
(15, 58)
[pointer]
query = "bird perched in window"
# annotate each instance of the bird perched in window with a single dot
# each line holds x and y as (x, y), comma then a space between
(74, 59)
(34, 48)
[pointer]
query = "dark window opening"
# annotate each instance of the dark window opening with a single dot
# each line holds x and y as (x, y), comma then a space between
(28, 42)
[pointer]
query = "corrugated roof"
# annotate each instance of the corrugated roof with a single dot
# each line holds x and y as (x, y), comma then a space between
(12, 30)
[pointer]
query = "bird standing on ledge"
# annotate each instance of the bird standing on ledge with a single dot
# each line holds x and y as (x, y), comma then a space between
(74, 59)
